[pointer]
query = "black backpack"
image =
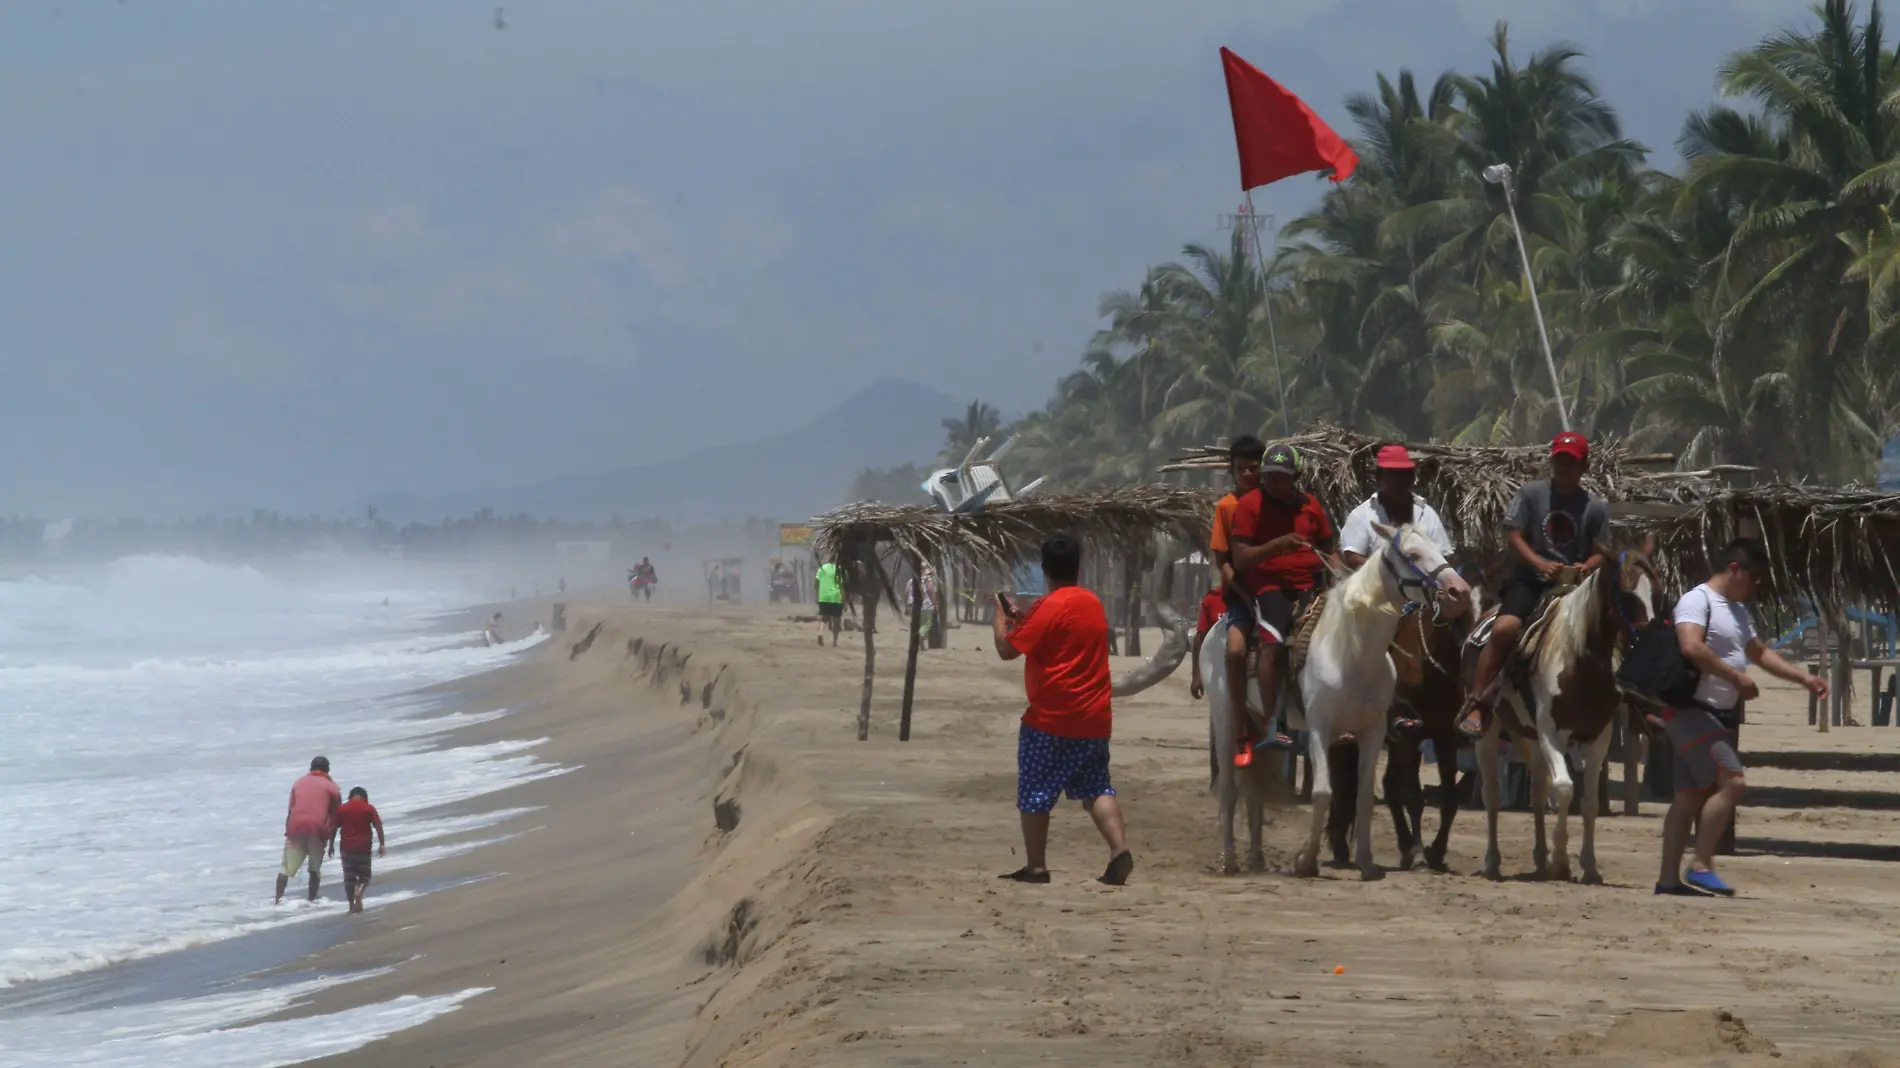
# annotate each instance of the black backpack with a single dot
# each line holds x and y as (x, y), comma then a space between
(1654, 669)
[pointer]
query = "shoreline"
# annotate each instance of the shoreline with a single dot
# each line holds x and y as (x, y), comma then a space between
(851, 917)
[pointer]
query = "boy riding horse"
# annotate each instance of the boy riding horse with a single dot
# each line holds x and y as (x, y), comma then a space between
(1553, 524)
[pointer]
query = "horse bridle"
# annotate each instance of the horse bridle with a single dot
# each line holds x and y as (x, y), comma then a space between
(1420, 579)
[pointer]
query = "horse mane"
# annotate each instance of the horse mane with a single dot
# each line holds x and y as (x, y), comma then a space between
(1576, 618)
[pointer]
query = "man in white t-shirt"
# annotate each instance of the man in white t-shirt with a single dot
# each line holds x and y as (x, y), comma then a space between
(1717, 637)
(1394, 505)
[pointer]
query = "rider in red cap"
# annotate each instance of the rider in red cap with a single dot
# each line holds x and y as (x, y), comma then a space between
(1394, 505)
(1552, 524)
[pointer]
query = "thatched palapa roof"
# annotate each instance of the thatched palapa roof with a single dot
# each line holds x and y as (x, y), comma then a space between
(1471, 486)
(1832, 546)
(998, 535)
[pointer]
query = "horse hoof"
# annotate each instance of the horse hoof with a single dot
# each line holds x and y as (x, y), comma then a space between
(1307, 868)
(1434, 860)
(1226, 865)
(1257, 862)
(1591, 878)
(1370, 875)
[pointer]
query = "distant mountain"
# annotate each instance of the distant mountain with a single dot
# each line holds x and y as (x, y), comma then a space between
(788, 477)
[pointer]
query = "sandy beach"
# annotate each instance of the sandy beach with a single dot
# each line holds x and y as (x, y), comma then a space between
(847, 911)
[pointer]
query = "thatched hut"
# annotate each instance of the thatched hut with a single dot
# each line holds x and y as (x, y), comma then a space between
(1126, 524)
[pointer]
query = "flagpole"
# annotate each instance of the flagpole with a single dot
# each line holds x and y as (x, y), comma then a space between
(1266, 298)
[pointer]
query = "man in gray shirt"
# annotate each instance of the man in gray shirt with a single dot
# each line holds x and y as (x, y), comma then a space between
(1551, 525)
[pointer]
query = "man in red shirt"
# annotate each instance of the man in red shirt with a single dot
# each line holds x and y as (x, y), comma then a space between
(1062, 745)
(1277, 536)
(353, 822)
(313, 804)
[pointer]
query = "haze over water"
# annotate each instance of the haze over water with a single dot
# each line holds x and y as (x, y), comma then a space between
(158, 709)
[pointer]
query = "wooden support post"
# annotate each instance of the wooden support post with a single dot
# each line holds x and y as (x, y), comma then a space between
(1132, 583)
(1824, 711)
(1633, 738)
(916, 638)
(939, 614)
(873, 589)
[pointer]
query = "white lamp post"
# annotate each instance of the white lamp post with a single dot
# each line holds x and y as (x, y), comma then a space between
(1500, 174)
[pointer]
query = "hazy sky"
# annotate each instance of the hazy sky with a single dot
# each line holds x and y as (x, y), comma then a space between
(284, 253)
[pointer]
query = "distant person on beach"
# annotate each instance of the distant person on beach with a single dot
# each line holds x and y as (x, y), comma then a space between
(1717, 638)
(353, 823)
(491, 634)
(927, 606)
(830, 601)
(314, 800)
(1062, 745)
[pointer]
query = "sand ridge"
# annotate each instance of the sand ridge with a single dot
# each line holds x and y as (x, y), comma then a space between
(834, 902)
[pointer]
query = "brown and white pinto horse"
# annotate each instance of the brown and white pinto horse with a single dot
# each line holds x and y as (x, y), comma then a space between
(1559, 689)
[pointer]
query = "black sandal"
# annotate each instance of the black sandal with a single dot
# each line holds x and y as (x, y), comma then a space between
(1118, 868)
(1026, 875)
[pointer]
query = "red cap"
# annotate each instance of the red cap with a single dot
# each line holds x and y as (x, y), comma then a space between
(1393, 458)
(1570, 443)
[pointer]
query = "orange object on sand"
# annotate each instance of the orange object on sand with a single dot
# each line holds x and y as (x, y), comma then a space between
(1339, 969)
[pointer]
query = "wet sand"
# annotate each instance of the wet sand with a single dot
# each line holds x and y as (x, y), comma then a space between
(850, 914)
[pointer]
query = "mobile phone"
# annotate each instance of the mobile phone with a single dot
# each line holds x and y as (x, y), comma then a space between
(1003, 605)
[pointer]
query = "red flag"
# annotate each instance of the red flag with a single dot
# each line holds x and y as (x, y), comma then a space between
(1277, 134)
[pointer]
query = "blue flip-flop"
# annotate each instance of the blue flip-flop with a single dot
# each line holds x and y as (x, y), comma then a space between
(1708, 882)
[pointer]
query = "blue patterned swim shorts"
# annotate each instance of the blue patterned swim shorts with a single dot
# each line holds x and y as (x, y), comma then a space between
(1048, 765)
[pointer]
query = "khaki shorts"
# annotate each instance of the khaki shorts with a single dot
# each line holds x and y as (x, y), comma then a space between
(298, 847)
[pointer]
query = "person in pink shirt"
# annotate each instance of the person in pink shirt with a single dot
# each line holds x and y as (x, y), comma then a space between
(314, 800)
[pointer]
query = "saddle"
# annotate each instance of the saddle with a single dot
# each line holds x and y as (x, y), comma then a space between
(1303, 634)
(1537, 624)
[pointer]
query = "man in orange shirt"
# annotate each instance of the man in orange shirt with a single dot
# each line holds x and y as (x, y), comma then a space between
(1062, 745)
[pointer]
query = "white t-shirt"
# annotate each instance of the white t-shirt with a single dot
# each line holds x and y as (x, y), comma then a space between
(1728, 629)
(1359, 537)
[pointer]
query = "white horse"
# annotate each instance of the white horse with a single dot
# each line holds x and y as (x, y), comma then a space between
(1345, 688)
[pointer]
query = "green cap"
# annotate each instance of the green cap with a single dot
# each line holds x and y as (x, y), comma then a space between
(1281, 458)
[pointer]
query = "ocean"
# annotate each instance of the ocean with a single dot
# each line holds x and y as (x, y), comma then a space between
(157, 710)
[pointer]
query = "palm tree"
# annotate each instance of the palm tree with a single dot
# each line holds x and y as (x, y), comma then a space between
(1826, 180)
(980, 420)
(1217, 344)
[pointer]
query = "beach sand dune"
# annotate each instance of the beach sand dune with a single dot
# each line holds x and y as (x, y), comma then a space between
(730, 878)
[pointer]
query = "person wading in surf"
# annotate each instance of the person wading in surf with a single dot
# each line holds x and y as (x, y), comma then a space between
(1395, 505)
(353, 823)
(1278, 535)
(314, 800)
(1551, 525)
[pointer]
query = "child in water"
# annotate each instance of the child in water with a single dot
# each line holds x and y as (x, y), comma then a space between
(354, 818)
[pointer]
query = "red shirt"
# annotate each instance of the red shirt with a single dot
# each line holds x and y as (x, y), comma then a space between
(311, 799)
(1212, 607)
(1064, 642)
(1260, 519)
(354, 820)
